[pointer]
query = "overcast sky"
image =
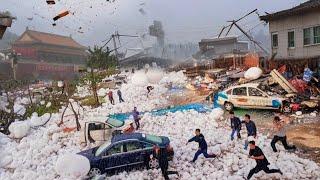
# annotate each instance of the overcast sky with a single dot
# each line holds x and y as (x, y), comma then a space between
(183, 20)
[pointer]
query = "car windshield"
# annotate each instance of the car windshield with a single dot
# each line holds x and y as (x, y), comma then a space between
(115, 122)
(101, 148)
(153, 138)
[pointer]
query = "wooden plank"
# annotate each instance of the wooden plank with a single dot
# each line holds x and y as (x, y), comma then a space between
(283, 82)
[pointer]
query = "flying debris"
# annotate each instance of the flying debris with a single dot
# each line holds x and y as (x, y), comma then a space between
(30, 18)
(54, 24)
(51, 2)
(141, 10)
(64, 13)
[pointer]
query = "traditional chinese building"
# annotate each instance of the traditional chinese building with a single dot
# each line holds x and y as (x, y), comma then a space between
(48, 56)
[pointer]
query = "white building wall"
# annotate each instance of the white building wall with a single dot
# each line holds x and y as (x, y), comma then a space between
(296, 23)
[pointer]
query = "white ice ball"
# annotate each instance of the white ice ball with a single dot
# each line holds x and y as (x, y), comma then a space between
(72, 166)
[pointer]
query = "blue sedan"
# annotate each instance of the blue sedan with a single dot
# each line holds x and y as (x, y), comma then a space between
(125, 152)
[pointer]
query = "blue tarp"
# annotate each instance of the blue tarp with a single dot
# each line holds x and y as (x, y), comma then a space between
(201, 108)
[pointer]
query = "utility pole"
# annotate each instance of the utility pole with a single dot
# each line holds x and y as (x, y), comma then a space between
(115, 44)
(234, 23)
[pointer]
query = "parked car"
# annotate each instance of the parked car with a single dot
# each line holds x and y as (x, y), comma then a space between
(250, 96)
(125, 152)
(98, 132)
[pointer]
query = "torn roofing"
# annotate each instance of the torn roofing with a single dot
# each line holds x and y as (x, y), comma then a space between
(51, 39)
(308, 6)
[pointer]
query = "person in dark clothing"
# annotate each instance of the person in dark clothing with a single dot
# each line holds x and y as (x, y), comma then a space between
(235, 125)
(280, 134)
(110, 95)
(251, 128)
(262, 162)
(162, 155)
(136, 117)
(120, 96)
(199, 138)
(149, 88)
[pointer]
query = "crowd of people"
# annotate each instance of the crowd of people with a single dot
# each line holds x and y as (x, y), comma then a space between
(279, 128)
(255, 153)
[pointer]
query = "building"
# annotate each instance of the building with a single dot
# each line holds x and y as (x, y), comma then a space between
(217, 47)
(295, 32)
(47, 56)
(51, 48)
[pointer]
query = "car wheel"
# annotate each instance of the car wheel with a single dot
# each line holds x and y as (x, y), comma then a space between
(153, 163)
(94, 172)
(228, 106)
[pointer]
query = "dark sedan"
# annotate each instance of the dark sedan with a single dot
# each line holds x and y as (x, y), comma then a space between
(126, 152)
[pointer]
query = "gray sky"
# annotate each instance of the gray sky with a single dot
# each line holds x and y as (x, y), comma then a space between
(183, 20)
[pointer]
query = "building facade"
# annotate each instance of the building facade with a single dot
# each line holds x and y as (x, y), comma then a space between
(48, 56)
(213, 48)
(295, 32)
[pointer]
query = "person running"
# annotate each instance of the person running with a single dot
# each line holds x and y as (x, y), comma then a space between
(110, 95)
(203, 147)
(251, 129)
(161, 154)
(149, 88)
(262, 162)
(235, 125)
(120, 96)
(280, 135)
(136, 117)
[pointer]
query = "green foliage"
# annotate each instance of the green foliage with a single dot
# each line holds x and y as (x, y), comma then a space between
(41, 109)
(101, 59)
(90, 101)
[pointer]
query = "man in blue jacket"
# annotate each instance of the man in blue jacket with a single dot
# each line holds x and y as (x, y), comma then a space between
(199, 138)
(251, 129)
(235, 125)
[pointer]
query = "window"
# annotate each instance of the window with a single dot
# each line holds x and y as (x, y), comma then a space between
(254, 92)
(307, 36)
(291, 39)
(316, 35)
(102, 148)
(131, 146)
(153, 138)
(242, 91)
(274, 39)
(147, 145)
(115, 149)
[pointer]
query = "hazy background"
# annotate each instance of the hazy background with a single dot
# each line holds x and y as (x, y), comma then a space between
(183, 20)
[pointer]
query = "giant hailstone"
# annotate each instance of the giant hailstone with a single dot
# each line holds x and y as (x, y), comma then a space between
(19, 129)
(139, 79)
(72, 166)
(253, 73)
(155, 75)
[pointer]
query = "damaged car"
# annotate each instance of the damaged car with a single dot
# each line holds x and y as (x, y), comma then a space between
(251, 96)
(98, 132)
(126, 152)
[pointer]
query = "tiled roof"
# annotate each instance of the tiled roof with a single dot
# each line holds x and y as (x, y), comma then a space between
(302, 8)
(52, 39)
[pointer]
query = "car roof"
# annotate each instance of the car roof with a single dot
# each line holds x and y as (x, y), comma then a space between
(115, 122)
(135, 136)
(121, 137)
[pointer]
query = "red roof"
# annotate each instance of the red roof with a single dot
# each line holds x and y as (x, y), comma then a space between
(50, 39)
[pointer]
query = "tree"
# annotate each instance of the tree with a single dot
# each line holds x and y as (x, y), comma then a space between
(100, 63)
(101, 59)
